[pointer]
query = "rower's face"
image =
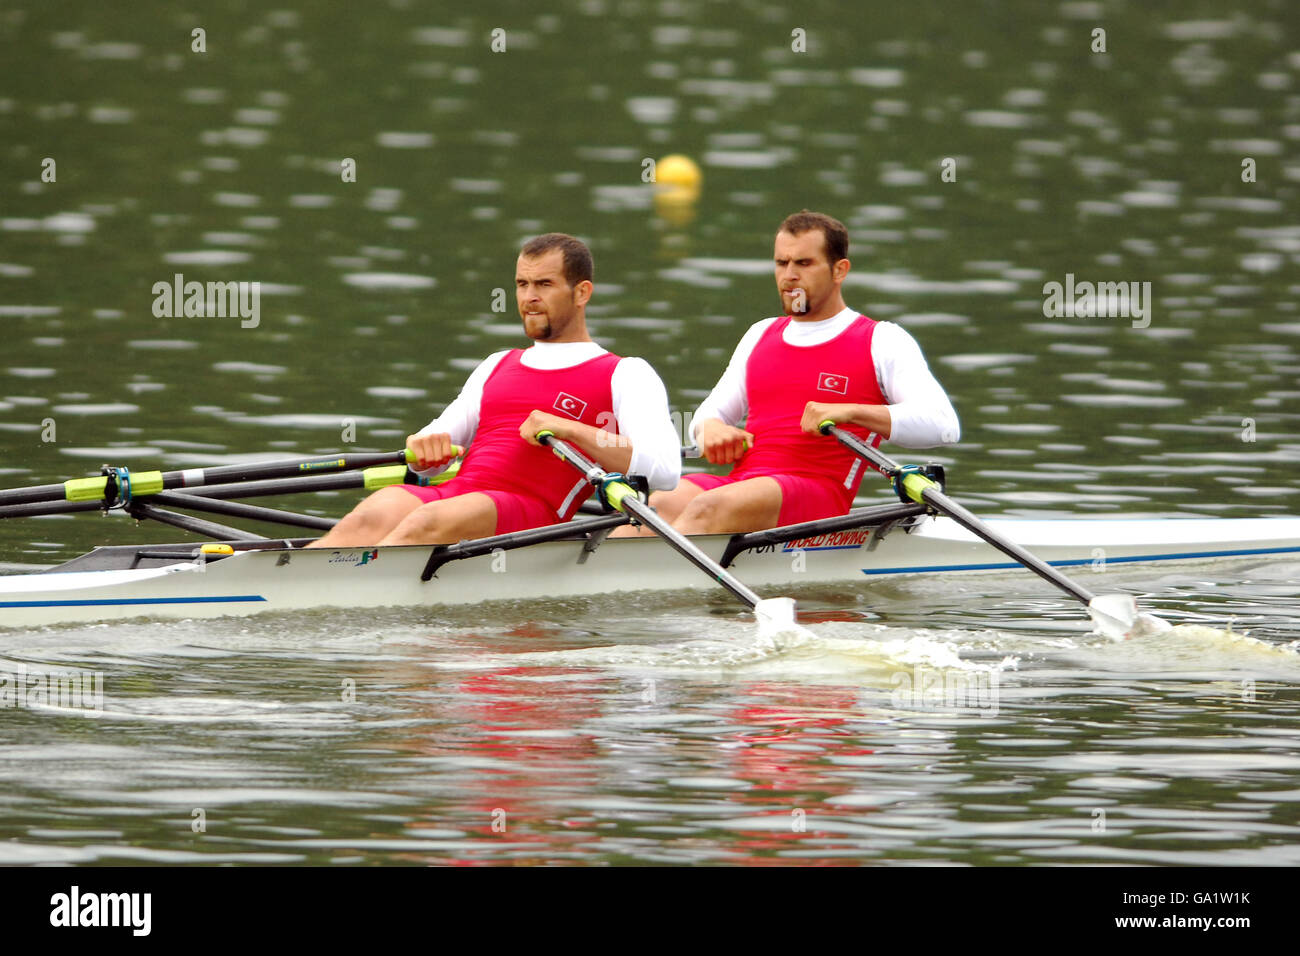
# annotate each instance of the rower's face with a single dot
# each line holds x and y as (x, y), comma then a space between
(547, 303)
(803, 274)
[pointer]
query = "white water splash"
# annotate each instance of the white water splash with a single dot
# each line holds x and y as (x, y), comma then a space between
(836, 651)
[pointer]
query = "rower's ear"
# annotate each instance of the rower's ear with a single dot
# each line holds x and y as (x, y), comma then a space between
(840, 270)
(582, 292)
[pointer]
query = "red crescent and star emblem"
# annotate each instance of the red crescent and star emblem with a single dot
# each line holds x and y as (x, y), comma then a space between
(830, 382)
(568, 405)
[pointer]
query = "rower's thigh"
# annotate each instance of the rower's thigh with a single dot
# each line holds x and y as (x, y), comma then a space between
(446, 521)
(366, 524)
(749, 505)
(668, 504)
(388, 503)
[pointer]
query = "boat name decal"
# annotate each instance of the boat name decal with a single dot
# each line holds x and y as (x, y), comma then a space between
(357, 558)
(824, 542)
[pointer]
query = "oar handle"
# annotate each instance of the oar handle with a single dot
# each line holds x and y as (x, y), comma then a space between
(456, 452)
(613, 490)
(870, 453)
(910, 481)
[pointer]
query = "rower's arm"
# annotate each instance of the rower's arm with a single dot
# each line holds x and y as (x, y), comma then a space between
(646, 443)
(920, 412)
(611, 451)
(460, 418)
(874, 418)
(729, 402)
(640, 404)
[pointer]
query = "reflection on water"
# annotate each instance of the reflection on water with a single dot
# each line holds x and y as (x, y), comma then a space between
(975, 157)
(364, 738)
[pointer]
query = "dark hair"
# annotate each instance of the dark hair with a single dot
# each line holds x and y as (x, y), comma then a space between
(835, 235)
(577, 257)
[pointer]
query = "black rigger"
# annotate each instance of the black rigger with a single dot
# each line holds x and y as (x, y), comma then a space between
(446, 553)
(209, 529)
(237, 510)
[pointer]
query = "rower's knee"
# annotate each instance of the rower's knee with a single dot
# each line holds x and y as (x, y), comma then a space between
(732, 509)
(445, 522)
(367, 523)
(353, 530)
(669, 505)
(372, 523)
(703, 514)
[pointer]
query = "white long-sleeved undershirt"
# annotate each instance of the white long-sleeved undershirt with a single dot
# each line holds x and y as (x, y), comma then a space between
(640, 407)
(921, 415)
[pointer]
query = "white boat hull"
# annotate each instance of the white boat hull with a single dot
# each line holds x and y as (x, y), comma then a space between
(256, 581)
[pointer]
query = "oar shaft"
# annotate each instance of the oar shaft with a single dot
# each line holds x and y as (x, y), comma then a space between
(23, 496)
(647, 516)
(624, 498)
(286, 468)
(144, 483)
(371, 479)
(34, 509)
(929, 492)
(973, 524)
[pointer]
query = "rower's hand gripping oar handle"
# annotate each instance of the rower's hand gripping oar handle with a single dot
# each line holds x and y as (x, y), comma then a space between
(456, 452)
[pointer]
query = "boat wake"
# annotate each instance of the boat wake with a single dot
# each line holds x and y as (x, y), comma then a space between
(1203, 648)
(837, 651)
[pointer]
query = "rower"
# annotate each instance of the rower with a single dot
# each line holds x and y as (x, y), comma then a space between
(614, 409)
(820, 361)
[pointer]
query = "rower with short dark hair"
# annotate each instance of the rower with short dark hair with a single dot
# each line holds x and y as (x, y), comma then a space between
(614, 409)
(818, 361)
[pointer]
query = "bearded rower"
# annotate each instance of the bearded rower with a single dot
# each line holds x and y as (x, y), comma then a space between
(819, 361)
(613, 409)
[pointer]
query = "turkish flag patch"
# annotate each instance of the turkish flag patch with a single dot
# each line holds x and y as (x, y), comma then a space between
(568, 405)
(830, 382)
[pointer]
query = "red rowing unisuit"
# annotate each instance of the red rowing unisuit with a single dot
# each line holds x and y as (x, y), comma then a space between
(528, 483)
(780, 379)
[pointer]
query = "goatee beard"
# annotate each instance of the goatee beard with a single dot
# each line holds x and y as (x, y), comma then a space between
(538, 335)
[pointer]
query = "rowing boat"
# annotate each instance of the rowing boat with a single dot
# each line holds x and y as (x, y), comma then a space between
(242, 577)
(240, 573)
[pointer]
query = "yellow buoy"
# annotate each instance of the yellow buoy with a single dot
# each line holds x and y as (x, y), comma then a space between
(679, 171)
(677, 186)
